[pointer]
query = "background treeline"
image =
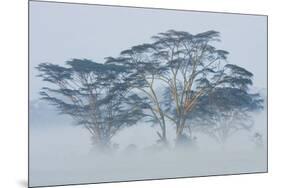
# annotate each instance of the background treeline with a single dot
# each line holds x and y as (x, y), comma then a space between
(179, 79)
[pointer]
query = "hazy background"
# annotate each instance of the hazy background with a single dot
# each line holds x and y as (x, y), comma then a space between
(61, 154)
(60, 32)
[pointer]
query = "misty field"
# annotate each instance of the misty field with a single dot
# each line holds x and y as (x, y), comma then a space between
(63, 155)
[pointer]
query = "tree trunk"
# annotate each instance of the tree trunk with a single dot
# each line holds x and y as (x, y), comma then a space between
(163, 137)
(101, 144)
(183, 139)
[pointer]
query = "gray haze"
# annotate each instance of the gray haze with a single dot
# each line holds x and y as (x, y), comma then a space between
(60, 32)
(61, 153)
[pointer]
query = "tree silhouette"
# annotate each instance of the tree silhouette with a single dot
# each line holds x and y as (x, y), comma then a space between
(187, 65)
(227, 108)
(224, 112)
(93, 94)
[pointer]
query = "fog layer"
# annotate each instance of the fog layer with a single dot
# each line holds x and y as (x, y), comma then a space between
(63, 154)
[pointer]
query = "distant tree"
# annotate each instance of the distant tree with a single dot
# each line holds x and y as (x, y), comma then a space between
(228, 108)
(93, 94)
(223, 114)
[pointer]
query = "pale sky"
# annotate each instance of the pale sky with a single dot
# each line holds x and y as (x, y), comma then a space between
(60, 32)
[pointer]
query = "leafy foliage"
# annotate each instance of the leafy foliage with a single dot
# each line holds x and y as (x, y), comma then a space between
(94, 94)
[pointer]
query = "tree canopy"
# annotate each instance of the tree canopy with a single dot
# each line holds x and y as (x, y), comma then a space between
(179, 79)
(94, 94)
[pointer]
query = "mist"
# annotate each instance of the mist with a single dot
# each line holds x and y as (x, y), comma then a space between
(64, 154)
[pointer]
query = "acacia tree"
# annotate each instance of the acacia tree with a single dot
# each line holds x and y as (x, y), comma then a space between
(144, 72)
(195, 69)
(93, 94)
(225, 108)
(189, 66)
(225, 112)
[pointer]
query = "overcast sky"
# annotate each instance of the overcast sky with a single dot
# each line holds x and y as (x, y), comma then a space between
(60, 32)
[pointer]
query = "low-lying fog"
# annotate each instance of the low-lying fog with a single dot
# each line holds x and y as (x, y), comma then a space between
(62, 154)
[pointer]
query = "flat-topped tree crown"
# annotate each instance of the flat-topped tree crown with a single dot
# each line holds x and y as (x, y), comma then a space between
(228, 108)
(93, 94)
